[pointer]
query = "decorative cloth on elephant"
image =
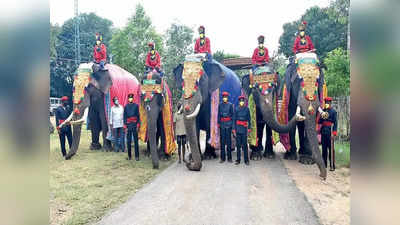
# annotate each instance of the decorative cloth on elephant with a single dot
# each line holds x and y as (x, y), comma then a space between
(167, 117)
(264, 79)
(151, 86)
(81, 80)
(192, 72)
(308, 69)
(252, 136)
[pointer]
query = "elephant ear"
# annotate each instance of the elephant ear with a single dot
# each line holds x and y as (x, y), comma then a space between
(246, 84)
(216, 75)
(178, 75)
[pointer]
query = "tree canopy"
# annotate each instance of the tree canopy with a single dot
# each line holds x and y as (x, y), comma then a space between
(337, 75)
(129, 45)
(327, 28)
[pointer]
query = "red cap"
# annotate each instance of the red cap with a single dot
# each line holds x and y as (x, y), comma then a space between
(328, 99)
(130, 95)
(225, 93)
(201, 28)
(242, 97)
(151, 44)
(304, 22)
(64, 98)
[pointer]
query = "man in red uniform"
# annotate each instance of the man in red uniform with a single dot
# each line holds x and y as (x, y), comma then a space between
(260, 54)
(303, 42)
(202, 43)
(153, 60)
(100, 51)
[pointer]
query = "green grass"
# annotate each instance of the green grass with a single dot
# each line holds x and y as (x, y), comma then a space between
(342, 154)
(84, 188)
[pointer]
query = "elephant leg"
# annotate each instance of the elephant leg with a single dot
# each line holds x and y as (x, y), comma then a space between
(95, 126)
(191, 131)
(152, 140)
(292, 153)
(183, 147)
(104, 130)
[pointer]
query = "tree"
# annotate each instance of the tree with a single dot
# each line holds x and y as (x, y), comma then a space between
(62, 49)
(327, 30)
(129, 45)
(337, 75)
(179, 39)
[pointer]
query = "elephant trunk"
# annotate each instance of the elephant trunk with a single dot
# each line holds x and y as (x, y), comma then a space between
(268, 116)
(76, 137)
(77, 130)
(190, 125)
(313, 141)
(152, 131)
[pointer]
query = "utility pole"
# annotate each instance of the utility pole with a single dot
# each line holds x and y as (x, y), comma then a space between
(77, 38)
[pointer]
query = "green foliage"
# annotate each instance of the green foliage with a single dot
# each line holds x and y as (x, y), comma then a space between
(129, 45)
(62, 49)
(221, 55)
(326, 27)
(178, 44)
(337, 75)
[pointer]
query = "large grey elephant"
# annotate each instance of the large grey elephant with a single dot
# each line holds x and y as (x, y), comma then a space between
(264, 86)
(153, 99)
(197, 100)
(91, 85)
(304, 90)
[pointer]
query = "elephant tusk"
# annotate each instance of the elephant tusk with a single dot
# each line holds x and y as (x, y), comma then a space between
(299, 117)
(195, 112)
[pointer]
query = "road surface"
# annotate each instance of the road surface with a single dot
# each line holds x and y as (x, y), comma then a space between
(220, 194)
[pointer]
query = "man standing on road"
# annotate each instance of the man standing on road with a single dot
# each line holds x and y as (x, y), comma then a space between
(225, 123)
(117, 123)
(62, 113)
(132, 124)
(242, 125)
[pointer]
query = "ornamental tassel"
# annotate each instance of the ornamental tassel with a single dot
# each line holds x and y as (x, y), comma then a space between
(311, 109)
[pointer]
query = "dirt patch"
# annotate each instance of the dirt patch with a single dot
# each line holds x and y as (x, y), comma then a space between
(330, 198)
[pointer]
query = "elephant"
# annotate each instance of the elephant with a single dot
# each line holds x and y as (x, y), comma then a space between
(300, 82)
(199, 80)
(93, 89)
(156, 99)
(264, 85)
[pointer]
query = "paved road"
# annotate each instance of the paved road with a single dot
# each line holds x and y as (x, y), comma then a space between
(221, 194)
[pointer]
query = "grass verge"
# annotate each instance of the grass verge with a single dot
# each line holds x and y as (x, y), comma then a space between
(84, 188)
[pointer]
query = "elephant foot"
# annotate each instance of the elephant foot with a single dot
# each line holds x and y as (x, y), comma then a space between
(194, 166)
(306, 160)
(290, 156)
(323, 175)
(95, 146)
(156, 167)
(190, 157)
(269, 155)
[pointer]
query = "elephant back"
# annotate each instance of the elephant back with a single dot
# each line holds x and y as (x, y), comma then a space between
(123, 83)
(231, 85)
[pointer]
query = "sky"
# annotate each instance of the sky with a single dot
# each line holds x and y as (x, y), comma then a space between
(232, 26)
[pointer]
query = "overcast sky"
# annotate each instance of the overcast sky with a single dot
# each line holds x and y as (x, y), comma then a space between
(232, 26)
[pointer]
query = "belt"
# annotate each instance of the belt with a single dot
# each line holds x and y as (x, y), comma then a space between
(327, 123)
(132, 119)
(225, 119)
(242, 123)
